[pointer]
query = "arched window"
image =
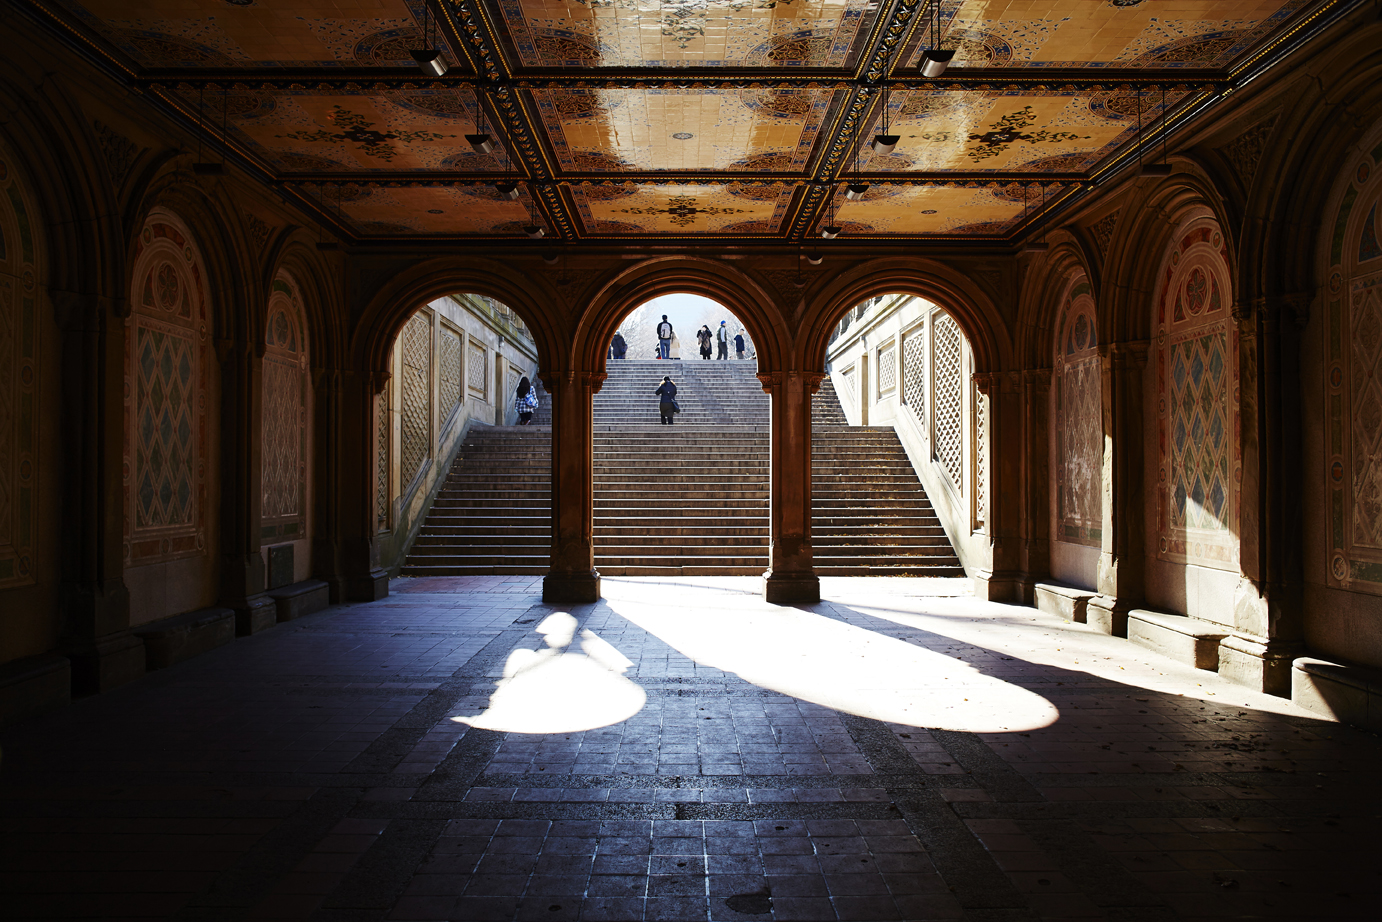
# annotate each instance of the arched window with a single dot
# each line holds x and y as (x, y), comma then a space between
(20, 279)
(284, 472)
(1353, 372)
(1079, 417)
(1197, 414)
(165, 395)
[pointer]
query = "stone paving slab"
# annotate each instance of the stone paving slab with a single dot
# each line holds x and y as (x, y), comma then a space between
(684, 751)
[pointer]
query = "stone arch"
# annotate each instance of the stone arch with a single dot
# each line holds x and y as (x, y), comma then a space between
(1194, 362)
(22, 283)
(284, 419)
(318, 286)
(961, 298)
(168, 388)
(1044, 285)
(1349, 257)
(640, 283)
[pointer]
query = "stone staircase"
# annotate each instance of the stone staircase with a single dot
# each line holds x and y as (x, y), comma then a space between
(687, 499)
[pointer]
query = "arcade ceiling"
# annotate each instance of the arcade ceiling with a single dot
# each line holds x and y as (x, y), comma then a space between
(725, 120)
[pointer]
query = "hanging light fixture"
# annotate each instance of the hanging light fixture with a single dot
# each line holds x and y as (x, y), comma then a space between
(935, 60)
(533, 229)
(507, 190)
(1155, 169)
(428, 58)
(831, 230)
(883, 142)
(480, 142)
(814, 259)
(857, 189)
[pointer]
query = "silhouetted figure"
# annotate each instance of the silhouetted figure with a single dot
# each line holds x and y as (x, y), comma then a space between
(617, 346)
(722, 339)
(703, 337)
(668, 406)
(664, 339)
(525, 401)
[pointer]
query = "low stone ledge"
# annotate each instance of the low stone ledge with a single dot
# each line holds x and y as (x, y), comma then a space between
(1065, 601)
(1181, 638)
(33, 685)
(298, 599)
(1349, 694)
(182, 637)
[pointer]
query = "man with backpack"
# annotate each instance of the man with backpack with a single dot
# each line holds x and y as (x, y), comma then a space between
(664, 339)
(722, 340)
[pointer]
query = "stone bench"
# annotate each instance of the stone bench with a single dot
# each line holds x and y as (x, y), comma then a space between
(298, 599)
(33, 685)
(1349, 694)
(182, 637)
(1065, 601)
(1186, 640)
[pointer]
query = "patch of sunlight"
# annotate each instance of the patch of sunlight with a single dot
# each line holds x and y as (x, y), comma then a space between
(843, 667)
(558, 690)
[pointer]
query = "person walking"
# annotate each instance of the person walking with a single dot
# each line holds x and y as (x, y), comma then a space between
(617, 346)
(667, 407)
(664, 339)
(722, 338)
(738, 345)
(525, 401)
(703, 335)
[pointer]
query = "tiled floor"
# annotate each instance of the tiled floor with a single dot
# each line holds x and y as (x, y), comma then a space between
(684, 751)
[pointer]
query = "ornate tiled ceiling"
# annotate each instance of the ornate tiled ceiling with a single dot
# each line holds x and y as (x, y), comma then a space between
(693, 119)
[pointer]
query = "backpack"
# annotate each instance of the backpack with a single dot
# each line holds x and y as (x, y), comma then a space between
(664, 330)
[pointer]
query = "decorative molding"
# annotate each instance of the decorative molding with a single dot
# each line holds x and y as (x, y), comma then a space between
(1102, 231)
(120, 152)
(1245, 151)
(771, 380)
(257, 228)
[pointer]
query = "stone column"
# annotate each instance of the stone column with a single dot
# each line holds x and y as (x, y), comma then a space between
(1124, 500)
(364, 580)
(1034, 552)
(242, 493)
(791, 575)
(572, 578)
(95, 602)
(1267, 611)
(324, 433)
(1001, 580)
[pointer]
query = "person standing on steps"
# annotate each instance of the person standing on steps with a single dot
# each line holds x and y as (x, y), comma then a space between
(668, 406)
(617, 346)
(525, 401)
(738, 345)
(664, 339)
(703, 335)
(722, 338)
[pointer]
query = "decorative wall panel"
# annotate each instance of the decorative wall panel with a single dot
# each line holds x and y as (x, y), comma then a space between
(914, 373)
(382, 428)
(166, 370)
(1353, 393)
(1197, 386)
(1079, 418)
(887, 369)
(979, 403)
(477, 369)
(20, 278)
(417, 394)
(450, 393)
(851, 390)
(284, 474)
(948, 393)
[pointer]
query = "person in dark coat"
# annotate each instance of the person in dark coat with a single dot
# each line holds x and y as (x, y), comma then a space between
(668, 406)
(617, 346)
(738, 345)
(703, 336)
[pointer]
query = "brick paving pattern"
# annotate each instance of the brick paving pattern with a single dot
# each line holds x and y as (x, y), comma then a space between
(684, 751)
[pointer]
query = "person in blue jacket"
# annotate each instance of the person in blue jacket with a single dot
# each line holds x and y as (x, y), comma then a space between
(668, 406)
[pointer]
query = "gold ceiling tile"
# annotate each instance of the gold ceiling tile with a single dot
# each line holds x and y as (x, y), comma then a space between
(436, 210)
(682, 209)
(889, 210)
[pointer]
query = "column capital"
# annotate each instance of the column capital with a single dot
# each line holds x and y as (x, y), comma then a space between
(1130, 354)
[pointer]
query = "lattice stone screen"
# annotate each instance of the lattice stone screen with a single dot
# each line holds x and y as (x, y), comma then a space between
(381, 459)
(949, 432)
(887, 369)
(914, 373)
(981, 456)
(417, 394)
(449, 389)
(512, 383)
(477, 369)
(851, 392)
(282, 425)
(165, 425)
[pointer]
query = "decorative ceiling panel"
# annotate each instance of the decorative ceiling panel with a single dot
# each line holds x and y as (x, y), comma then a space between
(989, 210)
(314, 132)
(264, 33)
(1039, 131)
(1105, 33)
(688, 33)
(391, 210)
(735, 208)
(597, 131)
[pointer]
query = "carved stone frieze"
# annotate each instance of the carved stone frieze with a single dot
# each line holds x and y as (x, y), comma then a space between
(258, 229)
(120, 152)
(1102, 231)
(1245, 151)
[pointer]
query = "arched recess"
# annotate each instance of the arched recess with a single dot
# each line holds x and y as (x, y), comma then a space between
(1194, 472)
(1077, 442)
(1350, 356)
(285, 416)
(170, 439)
(22, 283)
(644, 281)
